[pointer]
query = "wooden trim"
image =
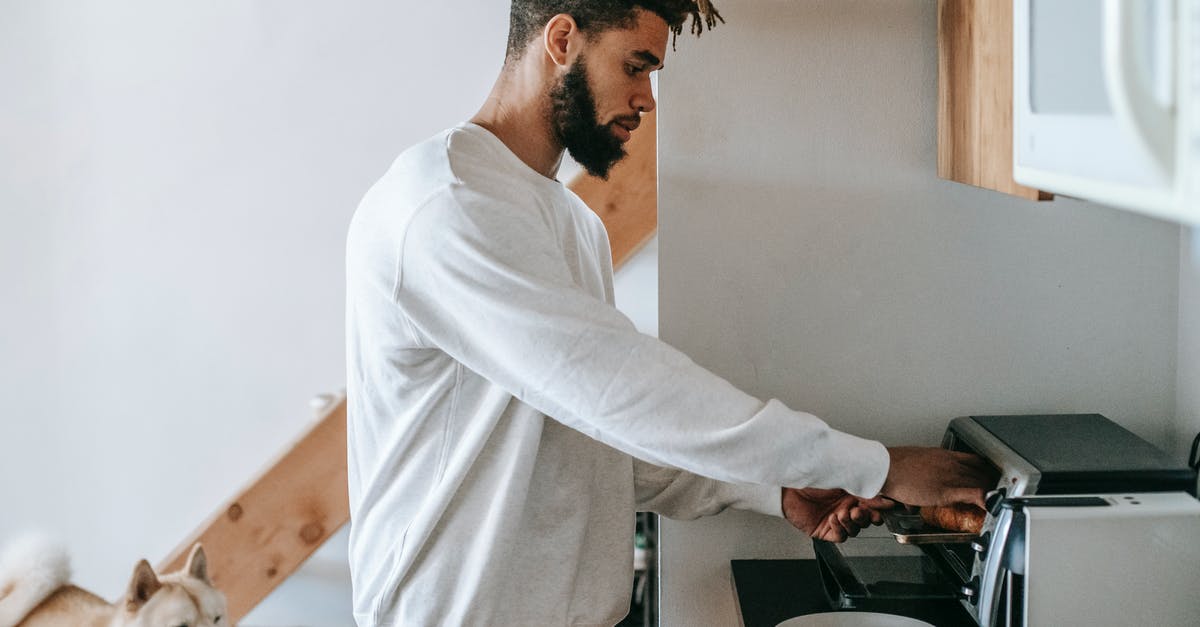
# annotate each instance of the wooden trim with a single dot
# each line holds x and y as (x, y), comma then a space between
(261, 536)
(628, 201)
(975, 94)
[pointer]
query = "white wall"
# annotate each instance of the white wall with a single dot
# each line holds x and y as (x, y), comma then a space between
(808, 252)
(175, 183)
(636, 288)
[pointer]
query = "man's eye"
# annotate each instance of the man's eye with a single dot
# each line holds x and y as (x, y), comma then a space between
(632, 70)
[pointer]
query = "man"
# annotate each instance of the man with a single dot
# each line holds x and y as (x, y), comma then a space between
(505, 421)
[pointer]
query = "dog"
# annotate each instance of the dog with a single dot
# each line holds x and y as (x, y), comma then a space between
(35, 592)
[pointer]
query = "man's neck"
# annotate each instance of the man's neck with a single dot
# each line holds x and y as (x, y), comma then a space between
(516, 112)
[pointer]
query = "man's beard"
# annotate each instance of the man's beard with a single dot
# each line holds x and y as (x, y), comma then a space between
(590, 143)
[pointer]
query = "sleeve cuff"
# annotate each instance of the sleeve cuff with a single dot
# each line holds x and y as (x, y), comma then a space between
(841, 460)
(757, 498)
(871, 470)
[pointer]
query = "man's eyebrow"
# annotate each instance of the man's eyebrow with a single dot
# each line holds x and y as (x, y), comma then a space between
(648, 57)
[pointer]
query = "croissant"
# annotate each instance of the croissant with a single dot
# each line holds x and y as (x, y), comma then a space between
(961, 517)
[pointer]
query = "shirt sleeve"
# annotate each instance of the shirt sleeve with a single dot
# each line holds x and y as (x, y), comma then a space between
(489, 284)
(682, 495)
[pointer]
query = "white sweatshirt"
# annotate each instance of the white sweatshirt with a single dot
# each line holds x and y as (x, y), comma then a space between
(506, 421)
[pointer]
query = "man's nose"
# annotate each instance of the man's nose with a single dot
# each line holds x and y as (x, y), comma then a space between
(643, 100)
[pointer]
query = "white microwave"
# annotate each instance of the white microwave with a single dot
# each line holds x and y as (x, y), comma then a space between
(1106, 102)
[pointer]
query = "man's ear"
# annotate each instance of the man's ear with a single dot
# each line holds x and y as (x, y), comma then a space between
(197, 564)
(559, 37)
(142, 586)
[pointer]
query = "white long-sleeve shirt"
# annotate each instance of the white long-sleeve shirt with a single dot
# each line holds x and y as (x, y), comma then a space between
(506, 421)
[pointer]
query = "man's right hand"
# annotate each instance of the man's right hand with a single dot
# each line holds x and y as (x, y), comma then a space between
(936, 476)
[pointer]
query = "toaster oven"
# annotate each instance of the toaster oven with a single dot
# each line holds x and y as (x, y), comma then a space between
(1088, 525)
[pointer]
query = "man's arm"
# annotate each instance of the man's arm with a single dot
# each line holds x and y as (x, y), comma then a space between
(830, 515)
(682, 495)
(489, 286)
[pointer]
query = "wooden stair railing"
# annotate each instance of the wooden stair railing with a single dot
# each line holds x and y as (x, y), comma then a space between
(262, 535)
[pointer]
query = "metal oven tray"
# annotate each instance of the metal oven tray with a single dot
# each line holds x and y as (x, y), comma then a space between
(908, 528)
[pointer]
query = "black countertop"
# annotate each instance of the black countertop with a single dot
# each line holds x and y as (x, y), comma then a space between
(769, 592)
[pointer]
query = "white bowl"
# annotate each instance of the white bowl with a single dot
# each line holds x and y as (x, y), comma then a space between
(853, 619)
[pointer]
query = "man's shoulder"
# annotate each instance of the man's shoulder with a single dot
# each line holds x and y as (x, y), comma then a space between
(427, 161)
(458, 156)
(421, 173)
(458, 181)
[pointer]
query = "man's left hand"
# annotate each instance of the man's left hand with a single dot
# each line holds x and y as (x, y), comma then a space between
(831, 515)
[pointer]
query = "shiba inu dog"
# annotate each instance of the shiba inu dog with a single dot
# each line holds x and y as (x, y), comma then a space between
(34, 592)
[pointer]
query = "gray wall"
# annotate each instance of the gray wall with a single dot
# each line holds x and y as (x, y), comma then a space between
(809, 252)
(1188, 386)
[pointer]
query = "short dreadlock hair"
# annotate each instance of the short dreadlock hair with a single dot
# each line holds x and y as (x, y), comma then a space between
(528, 17)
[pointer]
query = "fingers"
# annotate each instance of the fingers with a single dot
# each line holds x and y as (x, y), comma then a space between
(976, 463)
(877, 503)
(975, 473)
(976, 470)
(853, 520)
(865, 516)
(872, 516)
(830, 531)
(970, 459)
(847, 522)
(933, 476)
(974, 496)
(870, 511)
(834, 535)
(845, 519)
(837, 533)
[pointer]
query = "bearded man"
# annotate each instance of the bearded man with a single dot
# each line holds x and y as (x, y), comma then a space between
(505, 420)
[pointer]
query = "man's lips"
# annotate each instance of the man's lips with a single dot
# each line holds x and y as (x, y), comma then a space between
(624, 128)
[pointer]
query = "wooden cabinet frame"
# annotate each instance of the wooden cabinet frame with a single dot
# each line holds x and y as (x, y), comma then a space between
(975, 95)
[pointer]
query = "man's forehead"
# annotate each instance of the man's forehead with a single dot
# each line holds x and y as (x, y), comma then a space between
(647, 38)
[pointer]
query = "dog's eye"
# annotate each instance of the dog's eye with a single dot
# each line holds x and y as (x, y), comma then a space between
(217, 619)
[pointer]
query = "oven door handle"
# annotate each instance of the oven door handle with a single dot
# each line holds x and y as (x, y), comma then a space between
(1006, 553)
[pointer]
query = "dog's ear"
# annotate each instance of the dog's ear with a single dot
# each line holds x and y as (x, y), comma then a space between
(197, 564)
(142, 586)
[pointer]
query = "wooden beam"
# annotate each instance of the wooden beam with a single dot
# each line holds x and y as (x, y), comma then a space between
(975, 95)
(628, 201)
(265, 533)
(261, 536)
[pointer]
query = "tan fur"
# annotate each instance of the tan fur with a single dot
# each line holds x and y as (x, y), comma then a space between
(70, 605)
(185, 597)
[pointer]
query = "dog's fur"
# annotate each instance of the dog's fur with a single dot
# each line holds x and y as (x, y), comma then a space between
(34, 592)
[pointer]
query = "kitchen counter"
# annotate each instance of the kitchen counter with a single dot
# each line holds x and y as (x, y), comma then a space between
(769, 592)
